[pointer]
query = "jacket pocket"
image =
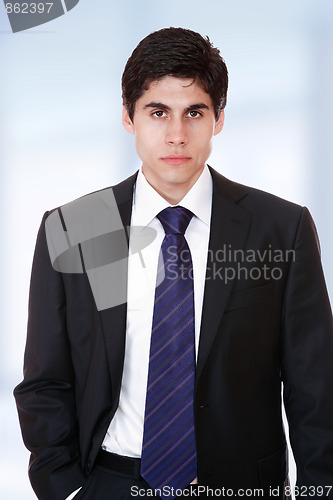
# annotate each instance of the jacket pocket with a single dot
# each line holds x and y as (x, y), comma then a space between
(273, 469)
(250, 297)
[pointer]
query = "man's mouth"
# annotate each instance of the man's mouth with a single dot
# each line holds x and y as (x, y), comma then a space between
(175, 159)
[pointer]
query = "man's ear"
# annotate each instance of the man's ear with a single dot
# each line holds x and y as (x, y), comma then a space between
(127, 122)
(219, 123)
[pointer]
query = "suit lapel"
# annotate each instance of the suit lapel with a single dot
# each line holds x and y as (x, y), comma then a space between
(229, 226)
(229, 229)
(114, 319)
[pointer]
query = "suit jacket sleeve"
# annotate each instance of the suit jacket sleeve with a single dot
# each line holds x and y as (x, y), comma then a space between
(308, 360)
(46, 398)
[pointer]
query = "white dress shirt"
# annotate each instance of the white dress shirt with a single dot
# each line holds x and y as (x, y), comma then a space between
(125, 433)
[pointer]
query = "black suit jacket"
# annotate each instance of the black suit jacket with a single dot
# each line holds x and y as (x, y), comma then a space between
(266, 319)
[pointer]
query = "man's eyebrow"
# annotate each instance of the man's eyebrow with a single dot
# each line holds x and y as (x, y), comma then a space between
(160, 105)
(199, 105)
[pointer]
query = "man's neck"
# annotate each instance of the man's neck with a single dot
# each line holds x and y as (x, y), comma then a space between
(173, 193)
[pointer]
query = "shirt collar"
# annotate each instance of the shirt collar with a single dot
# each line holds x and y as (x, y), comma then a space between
(147, 203)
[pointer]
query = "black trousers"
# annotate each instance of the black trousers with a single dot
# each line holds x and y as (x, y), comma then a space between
(104, 484)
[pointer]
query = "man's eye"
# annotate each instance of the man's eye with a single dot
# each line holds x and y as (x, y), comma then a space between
(194, 114)
(159, 113)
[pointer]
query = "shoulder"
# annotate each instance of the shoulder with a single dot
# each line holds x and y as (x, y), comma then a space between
(89, 218)
(120, 193)
(256, 201)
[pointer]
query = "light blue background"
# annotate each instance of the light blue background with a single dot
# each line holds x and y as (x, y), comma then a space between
(61, 133)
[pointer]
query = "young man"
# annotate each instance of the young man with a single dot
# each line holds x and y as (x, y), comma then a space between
(180, 381)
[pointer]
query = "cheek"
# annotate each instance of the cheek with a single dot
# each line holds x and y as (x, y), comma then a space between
(204, 146)
(202, 136)
(146, 144)
(141, 140)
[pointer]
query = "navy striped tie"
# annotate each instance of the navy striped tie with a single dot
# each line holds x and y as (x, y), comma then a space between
(169, 451)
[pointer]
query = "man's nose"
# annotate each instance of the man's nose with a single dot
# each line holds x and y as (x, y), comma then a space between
(176, 133)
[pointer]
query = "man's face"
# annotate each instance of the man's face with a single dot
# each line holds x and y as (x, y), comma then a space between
(174, 124)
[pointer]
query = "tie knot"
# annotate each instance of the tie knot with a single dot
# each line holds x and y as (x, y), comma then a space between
(175, 219)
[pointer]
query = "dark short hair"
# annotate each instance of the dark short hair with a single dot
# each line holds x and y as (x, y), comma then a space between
(175, 52)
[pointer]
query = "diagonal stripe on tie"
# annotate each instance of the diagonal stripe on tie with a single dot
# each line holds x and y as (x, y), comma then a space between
(189, 351)
(175, 308)
(168, 396)
(168, 449)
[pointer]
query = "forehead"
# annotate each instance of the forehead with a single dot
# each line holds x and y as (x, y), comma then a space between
(172, 90)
